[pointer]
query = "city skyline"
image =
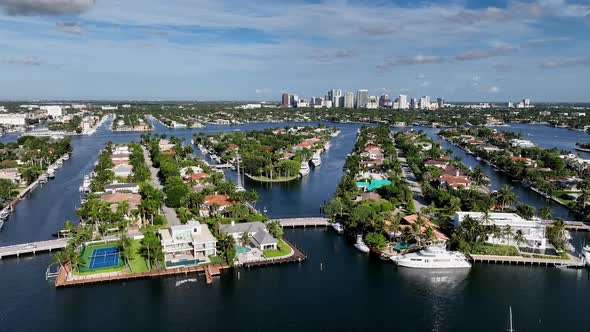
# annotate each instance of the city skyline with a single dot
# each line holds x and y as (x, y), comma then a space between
(495, 51)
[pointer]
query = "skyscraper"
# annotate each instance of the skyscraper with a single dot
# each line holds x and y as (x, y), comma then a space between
(440, 102)
(349, 100)
(362, 98)
(285, 100)
(334, 95)
(424, 102)
(403, 101)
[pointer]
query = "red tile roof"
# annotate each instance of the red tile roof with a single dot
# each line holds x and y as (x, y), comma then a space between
(219, 200)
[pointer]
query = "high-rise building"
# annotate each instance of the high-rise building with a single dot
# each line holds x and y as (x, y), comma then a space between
(424, 102)
(402, 101)
(414, 103)
(384, 101)
(362, 98)
(293, 100)
(372, 102)
(285, 100)
(349, 100)
(526, 102)
(334, 95)
(440, 102)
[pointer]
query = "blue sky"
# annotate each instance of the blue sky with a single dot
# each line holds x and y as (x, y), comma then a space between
(493, 50)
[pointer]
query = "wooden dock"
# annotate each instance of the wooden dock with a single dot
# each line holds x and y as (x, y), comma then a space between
(521, 260)
(32, 247)
(209, 270)
(298, 256)
(304, 222)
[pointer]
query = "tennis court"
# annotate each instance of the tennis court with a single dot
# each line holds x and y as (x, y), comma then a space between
(104, 257)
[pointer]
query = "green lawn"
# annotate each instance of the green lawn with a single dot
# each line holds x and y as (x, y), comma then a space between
(216, 260)
(137, 263)
(493, 249)
(283, 250)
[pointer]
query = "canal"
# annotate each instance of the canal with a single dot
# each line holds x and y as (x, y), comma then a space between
(337, 288)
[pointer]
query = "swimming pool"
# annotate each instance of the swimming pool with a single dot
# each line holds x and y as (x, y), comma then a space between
(242, 250)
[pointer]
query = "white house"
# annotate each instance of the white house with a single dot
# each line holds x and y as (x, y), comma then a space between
(189, 244)
(53, 110)
(14, 119)
(123, 170)
(533, 231)
(257, 232)
(121, 187)
(522, 143)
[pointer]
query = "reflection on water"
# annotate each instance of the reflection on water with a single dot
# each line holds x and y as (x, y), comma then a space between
(439, 288)
(437, 281)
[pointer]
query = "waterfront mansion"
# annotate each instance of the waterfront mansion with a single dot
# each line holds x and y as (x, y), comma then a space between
(189, 244)
(533, 231)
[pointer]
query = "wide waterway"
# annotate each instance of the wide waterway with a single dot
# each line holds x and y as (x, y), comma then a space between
(337, 288)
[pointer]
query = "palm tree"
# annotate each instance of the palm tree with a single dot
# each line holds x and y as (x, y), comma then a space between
(244, 239)
(60, 257)
(545, 213)
(518, 237)
(125, 249)
(506, 196)
(507, 233)
(496, 232)
(429, 234)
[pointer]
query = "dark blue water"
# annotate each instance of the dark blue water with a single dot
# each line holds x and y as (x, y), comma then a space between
(337, 288)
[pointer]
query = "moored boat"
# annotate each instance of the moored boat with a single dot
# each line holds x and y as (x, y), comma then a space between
(586, 253)
(304, 170)
(4, 214)
(338, 227)
(433, 257)
(360, 244)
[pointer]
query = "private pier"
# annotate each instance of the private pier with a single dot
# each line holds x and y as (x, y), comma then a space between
(304, 222)
(521, 260)
(32, 247)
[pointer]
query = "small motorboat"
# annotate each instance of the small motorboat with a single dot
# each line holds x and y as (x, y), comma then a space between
(338, 227)
(360, 244)
(4, 214)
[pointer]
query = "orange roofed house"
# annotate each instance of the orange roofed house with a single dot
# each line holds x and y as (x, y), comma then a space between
(215, 204)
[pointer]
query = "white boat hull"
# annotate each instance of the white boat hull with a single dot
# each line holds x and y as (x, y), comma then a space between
(362, 247)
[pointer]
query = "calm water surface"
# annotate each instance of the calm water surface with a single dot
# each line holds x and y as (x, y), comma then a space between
(337, 288)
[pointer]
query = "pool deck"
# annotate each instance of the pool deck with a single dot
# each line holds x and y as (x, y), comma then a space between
(209, 270)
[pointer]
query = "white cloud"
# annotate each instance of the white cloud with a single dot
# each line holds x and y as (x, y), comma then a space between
(493, 89)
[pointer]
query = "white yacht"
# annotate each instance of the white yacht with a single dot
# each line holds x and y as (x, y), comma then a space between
(586, 253)
(1, 224)
(50, 172)
(360, 244)
(66, 156)
(336, 133)
(316, 160)
(433, 257)
(304, 170)
(4, 214)
(338, 227)
(327, 146)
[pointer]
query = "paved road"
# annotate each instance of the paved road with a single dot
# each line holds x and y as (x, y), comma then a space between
(168, 212)
(412, 182)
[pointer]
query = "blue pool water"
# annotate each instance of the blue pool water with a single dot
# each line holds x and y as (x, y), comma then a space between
(242, 250)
